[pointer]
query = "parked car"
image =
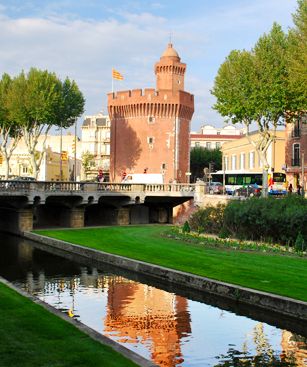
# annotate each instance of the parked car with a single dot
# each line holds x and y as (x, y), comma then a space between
(23, 178)
(248, 191)
(215, 188)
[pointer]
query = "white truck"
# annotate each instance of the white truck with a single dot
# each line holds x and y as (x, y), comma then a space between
(144, 178)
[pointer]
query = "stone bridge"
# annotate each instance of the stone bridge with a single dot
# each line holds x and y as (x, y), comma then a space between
(28, 205)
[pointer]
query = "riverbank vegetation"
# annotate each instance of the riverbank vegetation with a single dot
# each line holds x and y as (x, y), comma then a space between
(274, 273)
(272, 220)
(52, 342)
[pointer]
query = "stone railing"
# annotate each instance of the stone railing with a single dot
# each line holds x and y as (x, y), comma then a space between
(65, 186)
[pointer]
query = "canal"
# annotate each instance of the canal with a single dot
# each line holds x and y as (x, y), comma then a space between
(172, 327)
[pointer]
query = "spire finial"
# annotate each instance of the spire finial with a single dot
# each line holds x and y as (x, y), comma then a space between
(170, 37)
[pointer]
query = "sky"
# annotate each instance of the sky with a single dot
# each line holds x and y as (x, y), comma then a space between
(84, 39)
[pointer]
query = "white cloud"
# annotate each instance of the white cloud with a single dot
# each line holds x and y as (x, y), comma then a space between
(85, 49)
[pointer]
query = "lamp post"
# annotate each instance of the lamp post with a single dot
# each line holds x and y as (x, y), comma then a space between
(75, 152)
(61, 144)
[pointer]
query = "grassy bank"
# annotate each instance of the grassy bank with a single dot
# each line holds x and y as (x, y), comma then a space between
(283, 275)
(31, 336)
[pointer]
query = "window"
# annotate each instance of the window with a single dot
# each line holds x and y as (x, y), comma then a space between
(296, 155)
(24, 169)
(233, 162)
(218, 133)
(163, 166)
(242, 161)
(252, 160)
(296, 132)
(208, 145)
(225, 163)
(151, 119)
(197, 143)
(150, 140)
(218, 144)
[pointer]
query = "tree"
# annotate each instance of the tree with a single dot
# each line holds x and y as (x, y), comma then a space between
(297, 59)
(253, 87)
(201, 157)
(39, 100)
(9, 130)
(87, 160)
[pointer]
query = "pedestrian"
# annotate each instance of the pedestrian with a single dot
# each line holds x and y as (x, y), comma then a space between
(299, 188)
(100, 177)
(290, 189)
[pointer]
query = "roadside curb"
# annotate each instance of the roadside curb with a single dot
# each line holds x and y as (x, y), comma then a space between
(129, 354)
(267, 301)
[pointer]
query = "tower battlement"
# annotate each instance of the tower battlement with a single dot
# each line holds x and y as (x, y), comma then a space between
(149, 95)
(150, 102)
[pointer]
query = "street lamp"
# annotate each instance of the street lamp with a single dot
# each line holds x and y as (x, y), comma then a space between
(61, 144)
(75, 152)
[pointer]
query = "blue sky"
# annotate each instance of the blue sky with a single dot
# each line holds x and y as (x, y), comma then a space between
(84, 39)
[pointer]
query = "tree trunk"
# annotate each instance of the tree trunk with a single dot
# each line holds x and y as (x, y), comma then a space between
(6, 168)
(265, 182)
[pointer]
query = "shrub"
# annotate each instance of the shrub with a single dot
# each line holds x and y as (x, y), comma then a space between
(300, 244)
(271, 219)
(186, 227)
(257, 219)
(209, 219)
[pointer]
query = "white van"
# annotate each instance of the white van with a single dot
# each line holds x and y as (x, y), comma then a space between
(144, 178)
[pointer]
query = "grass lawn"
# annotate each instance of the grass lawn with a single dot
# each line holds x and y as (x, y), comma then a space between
(275, 273)
(32, 336)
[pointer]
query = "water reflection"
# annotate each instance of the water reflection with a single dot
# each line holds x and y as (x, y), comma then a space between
(264, 356)
(294, 346)
(140, 313)
(163, 326)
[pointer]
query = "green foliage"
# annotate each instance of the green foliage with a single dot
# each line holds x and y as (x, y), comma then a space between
(224, 233)
(234, 87)
(300, 244)
(200, 158)
(270, 92)
(208, 219)
(271, 219)
(38, 100)
(297, 58)
(186, 227)
(87, 159)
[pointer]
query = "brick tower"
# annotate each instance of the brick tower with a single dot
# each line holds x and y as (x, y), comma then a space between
(150, 129)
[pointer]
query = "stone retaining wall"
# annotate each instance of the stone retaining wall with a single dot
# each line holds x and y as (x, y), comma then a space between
(282, 305)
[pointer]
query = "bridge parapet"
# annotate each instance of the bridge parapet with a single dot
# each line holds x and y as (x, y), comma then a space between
(25, 188)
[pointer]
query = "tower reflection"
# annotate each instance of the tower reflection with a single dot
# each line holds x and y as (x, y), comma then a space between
(138, 313)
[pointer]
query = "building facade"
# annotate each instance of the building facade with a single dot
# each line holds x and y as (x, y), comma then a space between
(240, 156)
(53, 162)
(95, 138)
(150, 129)
(296, 152)
(211, 137)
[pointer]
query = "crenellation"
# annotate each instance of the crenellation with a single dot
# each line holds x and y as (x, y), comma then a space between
(137, 96)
